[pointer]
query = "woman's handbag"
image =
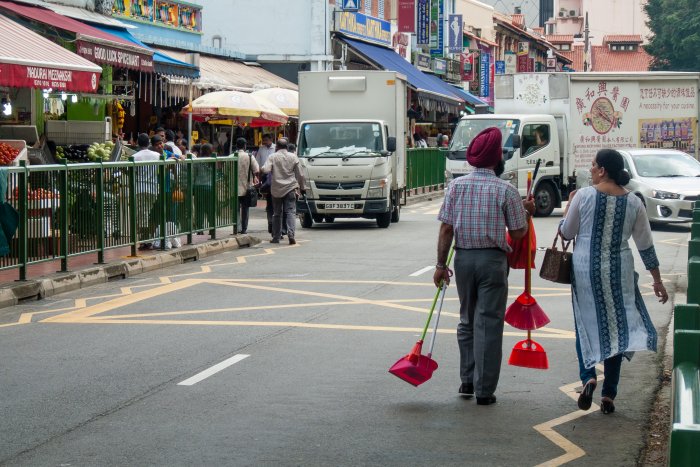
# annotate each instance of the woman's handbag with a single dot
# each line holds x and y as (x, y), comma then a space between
(556, 266)
(251, 192)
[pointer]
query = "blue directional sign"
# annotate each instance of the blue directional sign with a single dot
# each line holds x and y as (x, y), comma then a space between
(351, 5)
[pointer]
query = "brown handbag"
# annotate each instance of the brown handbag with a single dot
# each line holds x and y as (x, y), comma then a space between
(556, 266)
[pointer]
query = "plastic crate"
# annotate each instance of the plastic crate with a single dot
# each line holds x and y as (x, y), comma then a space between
(21, 146)
(64, 133)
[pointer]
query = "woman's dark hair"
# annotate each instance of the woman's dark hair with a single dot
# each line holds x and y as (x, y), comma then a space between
(206, 150)
(614, 165)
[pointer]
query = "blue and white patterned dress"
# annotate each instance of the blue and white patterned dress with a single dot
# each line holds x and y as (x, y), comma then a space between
(609, 311)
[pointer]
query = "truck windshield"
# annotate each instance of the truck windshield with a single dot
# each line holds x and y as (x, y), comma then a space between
(340, 139)
(467, 129)
(666, 165)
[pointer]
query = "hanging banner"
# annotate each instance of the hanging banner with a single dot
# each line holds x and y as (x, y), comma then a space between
(484, 74)
(27, 76)
(119, 58)
(407, 16)
(467, 62)
(437, 18)
(422, 61)
(423, 22)
(522, 63)
(401, 43)
(511, 65)
(455, 35)
(523, 48)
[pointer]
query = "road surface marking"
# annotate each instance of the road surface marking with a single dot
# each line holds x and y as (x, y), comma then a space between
(213, 370)
(422, 271)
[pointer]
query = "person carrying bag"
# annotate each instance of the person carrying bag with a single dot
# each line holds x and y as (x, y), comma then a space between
(556, 265)
(247, 193)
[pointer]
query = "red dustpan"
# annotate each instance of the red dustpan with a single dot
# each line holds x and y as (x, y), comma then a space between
(526, 314)
(415, 368)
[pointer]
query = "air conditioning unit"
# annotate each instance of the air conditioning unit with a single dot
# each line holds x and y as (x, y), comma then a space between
(572, 12)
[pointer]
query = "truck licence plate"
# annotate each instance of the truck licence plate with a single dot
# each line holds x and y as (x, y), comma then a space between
(340, 205)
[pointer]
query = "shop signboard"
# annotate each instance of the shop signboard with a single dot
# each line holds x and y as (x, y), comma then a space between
(467, 62)
(510, 62)
(522, 63)
(422, 61)
(57, 79)
(500, 67)
(439, 66)
(407, 16)
(551, 64)
(453, 74)
(523, 48)
(437, 15)
(455, 35)
(119, 58)
(401, 43)
(363, 27)
(351, 5)
(423, 22)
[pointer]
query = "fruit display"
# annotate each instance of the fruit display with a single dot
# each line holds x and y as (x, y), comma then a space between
(94, 152)
(7, 154)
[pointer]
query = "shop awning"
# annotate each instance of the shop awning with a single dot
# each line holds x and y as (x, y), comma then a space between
(28, 60)
(470, 98)
(390, 60)
(162, 63)
(228, 75)
(92, 43)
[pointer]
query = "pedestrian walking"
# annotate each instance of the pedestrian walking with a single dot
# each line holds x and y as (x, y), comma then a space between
(146, 190)
(609, 312)
(475, 214)
(286, 180)
(247, 176)
(203, 203)
(265, 150)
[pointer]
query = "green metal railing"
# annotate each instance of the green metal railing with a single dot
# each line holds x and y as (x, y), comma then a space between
(425, 169)
(685, 407)
(77, 209)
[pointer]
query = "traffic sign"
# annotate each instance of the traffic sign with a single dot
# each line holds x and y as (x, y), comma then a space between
(351, 5)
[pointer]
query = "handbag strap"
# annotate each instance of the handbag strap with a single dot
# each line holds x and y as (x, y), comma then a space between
(564, 243)
(250, 167)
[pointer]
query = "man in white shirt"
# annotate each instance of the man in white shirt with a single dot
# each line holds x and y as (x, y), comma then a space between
(171, 146)
(265, 150)
(286, 179)
(146, 189)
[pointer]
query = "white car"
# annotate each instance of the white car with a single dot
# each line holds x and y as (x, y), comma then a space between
(666, 180)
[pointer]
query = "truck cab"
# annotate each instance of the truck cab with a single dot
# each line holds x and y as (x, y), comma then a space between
(525, 139)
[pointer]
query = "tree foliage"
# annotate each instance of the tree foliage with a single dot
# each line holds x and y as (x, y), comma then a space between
(675, 41)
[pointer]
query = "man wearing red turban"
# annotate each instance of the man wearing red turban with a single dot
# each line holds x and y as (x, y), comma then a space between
(475, 214)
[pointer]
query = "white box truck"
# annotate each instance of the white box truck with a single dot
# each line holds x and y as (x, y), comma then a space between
(563, 119)
(351, 145)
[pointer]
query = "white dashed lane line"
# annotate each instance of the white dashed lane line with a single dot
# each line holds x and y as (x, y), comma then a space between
(422, 271)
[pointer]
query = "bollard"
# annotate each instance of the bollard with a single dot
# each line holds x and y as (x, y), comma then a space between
(694, 278)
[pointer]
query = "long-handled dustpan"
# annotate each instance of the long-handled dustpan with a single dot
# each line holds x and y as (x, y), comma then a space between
(416, 368)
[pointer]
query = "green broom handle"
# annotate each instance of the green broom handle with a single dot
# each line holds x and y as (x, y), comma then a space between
(437, 294)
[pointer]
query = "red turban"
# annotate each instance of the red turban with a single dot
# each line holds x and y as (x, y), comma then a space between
(485, 149)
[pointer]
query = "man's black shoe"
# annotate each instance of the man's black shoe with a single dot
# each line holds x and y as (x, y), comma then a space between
(466, 390)
(488, 400)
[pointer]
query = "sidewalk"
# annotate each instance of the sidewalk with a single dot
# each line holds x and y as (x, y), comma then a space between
(45, 280)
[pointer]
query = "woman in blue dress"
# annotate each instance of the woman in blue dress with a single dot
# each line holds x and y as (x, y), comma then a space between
(609, 312)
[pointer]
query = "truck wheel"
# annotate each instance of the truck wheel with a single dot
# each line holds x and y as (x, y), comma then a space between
(396, 213)
(384, 220)
(544, 200)
(306, 220)
(329, 219)
(317, 218)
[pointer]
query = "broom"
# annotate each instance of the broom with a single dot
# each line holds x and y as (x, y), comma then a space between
(525, 313)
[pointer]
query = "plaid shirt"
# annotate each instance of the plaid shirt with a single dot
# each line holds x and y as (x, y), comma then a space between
(479, 207)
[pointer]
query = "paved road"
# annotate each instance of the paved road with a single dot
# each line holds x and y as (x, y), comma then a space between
(302, 336)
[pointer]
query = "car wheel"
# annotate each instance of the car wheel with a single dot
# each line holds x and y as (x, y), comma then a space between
(317, 218)
(544, 200)
(384, 220)
(396, 213)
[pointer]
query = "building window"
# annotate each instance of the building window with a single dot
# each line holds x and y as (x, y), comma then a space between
(380, 9)
(216, 42)
(368, 7)
(630, 47)
(565, 47)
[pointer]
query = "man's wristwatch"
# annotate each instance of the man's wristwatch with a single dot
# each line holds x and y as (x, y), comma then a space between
(440, 266)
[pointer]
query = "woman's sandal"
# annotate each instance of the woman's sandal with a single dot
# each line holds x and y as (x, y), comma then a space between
(585, 399)
(607, 406)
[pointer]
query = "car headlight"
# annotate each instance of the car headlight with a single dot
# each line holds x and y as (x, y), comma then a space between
(658, 194)
(376, 188)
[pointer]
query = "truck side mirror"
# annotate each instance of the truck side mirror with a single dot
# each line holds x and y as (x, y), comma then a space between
(391, 144)
(515, 141)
